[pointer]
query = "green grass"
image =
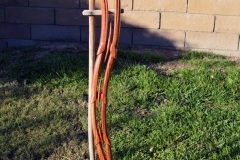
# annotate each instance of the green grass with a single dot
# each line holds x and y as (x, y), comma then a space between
(192, 112)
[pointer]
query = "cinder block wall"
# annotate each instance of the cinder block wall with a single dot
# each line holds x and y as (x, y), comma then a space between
(208, 25)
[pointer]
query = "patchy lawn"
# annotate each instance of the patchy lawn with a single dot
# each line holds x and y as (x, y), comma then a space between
(181, 106)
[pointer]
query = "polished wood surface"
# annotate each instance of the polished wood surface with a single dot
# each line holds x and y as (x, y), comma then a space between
(99, 91)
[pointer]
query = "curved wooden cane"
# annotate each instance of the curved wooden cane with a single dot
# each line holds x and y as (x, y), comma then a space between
(100, 131)
(96, 70)
(111, 59)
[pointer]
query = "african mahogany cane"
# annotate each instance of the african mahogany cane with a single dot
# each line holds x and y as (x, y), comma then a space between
(99, 95)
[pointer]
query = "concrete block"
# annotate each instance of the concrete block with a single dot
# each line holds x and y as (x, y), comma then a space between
(20, 43)
(55, 33)
(187, 22)
(220, 52)
(30, 15)
(125, 4)
(85, 34)
(84, 4)
(227, 24)
(125, 35)
(138, 19)
(55, 3)
(58, 45)
(221, 7)
(2, 19)
(74, 17)
(157, 37)
(14, 31)
(161, 5)
(14, 3)
(205, 40)
(3, 43)
(71, 17)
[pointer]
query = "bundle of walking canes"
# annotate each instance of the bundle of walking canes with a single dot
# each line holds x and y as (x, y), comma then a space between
(107, 52)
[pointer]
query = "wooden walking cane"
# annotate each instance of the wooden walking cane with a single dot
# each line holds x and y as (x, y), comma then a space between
(98, 94)
(111, 59)
(96, 71)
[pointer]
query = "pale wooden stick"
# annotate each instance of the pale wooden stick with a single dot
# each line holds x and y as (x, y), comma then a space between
(91, 65)
(98, 12)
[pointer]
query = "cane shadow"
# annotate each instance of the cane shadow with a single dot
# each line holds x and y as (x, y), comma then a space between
(134, 36)
(137, 33)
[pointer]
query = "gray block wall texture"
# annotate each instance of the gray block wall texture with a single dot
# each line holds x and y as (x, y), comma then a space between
(207, 25)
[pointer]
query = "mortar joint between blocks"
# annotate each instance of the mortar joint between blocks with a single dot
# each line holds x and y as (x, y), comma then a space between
(214, 23)
(160, 19)
(238, 43)
(30, 28)
(55, 16)
(185, 39)
(132, 4)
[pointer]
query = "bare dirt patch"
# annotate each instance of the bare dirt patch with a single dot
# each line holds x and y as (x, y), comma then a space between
(45, 51)
(169, 54)
(168, 67)
(41, 54)
(234, 59)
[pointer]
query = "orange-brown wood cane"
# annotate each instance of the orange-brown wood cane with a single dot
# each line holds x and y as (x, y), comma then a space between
(111, 59)
(100, 131)
(96, 71)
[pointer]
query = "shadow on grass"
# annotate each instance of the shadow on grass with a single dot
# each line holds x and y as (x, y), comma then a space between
(61, 78)
(24, 75)
(26, 66)
(35, 117)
